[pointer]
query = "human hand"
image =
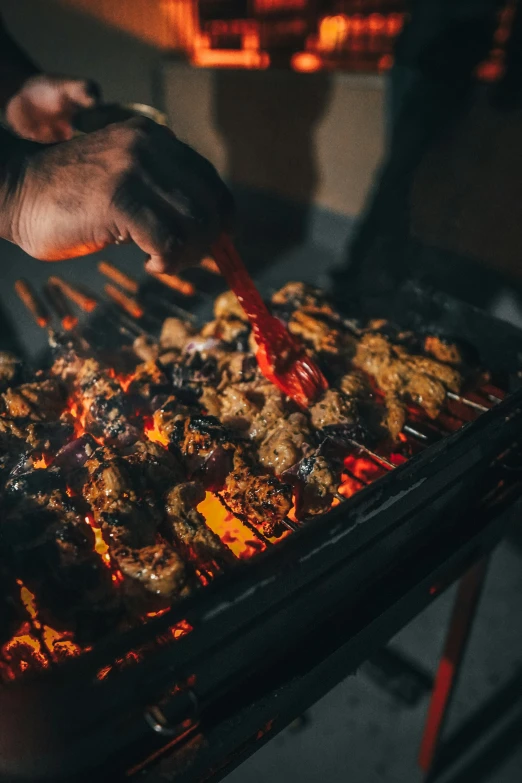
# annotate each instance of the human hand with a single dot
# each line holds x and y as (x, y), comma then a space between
(43, 109)
(130, 182)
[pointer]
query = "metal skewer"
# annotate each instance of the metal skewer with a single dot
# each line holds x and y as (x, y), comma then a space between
(375, 457)
(244, 521)
(126, 303)
(465, 401)
(84, 302)
(176, 283)
(414, 433)
(117, 276)
(178, 311)
(290, 525)
(33, 303)
(60, 306)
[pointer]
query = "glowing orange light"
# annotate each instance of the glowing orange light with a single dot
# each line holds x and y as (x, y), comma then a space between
(154, 434)
(306, 62)
(230, 58)
(235, 535)
(41, 463)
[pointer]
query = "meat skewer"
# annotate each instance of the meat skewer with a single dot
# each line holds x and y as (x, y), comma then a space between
(84, 302)
(33, 303)
(117, 276)
(281, 359)
(127, 303)
(60, 306)
(175, 283)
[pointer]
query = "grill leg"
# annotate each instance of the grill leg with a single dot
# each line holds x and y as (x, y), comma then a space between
(461, 623)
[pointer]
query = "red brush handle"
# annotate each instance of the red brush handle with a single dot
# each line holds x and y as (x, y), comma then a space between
(235, 273)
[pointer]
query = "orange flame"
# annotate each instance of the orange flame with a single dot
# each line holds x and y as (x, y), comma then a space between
(234, 534)
(154, 434)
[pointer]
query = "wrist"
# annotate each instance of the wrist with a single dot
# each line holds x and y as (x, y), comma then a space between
(14, 156)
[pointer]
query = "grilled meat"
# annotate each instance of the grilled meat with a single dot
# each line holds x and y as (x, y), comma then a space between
(443, 351)
(159, 468)
(226, 305)
(285, 444)
(51, 546)
(10, 369)
(145, 348)
(155, 571)
(107, 409)
(247, 487)
(187, 527)
(40, 401)
(252, 493)
(175, 334)
(129, 519)
(405, 376)
(315, 479)
(333, 409)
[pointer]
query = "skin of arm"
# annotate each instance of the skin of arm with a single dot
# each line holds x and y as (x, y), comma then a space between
(132, 182)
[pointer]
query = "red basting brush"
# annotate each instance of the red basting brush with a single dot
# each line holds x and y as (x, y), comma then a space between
(281, 359)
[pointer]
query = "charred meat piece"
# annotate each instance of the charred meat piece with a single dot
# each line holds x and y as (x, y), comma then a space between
(187, 527)
(52, 549)
(128, 519)
(175, 334)
(248, 488)
(315, 479)
(442, 350)
(40, 401)
(10, 369)
(406, 376)
(159, 468)
(155, 571)
(146, 348)
(300, 296)
(333, 409)
(226, 305)
(119, 505)
(319, 334)
(252, 493)
(230, 330)
(107, 409)
(236, 409)
(147, 381)
(285, 444)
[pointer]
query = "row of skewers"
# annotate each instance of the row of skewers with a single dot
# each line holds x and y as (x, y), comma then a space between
(104, 463)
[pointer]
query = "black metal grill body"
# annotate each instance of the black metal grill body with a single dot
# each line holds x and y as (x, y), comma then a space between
(275, 635)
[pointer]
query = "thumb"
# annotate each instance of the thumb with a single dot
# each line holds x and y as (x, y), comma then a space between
(82, 92)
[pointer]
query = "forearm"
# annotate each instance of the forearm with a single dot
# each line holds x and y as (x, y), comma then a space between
(15, 66)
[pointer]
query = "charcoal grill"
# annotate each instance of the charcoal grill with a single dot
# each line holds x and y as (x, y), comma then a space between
(272, 637)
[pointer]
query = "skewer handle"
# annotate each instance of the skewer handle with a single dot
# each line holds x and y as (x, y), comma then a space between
(126, 303)
(60, 306)
(176, 283)
(33, 303)
(117, 276)
(84, 302)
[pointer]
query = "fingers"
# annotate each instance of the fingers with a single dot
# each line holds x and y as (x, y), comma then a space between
(83, 93)
(193, 203)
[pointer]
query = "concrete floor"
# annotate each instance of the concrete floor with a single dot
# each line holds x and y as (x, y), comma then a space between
(361, 734)
(357, 732)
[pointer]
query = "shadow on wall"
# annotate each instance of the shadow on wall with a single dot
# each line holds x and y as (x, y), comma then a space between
(63, 40)
(267, 121)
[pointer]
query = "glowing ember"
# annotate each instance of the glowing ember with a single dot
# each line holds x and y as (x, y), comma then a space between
(35, 645)
(234, 534)
(153, 434)
(99, 544)
(41, 463)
